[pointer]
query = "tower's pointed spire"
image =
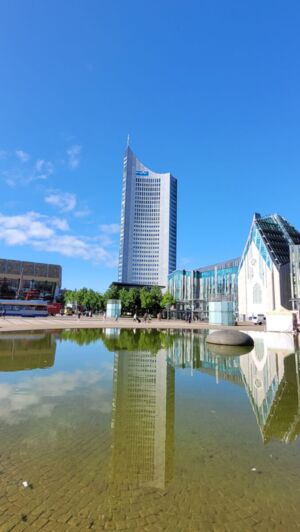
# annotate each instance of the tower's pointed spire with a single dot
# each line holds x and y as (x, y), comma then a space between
(128, 140)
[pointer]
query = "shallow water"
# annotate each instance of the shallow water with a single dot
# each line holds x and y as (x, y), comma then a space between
(148, 430)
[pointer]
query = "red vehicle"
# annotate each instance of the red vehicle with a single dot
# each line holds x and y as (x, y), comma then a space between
(32, 294)
(54, 308)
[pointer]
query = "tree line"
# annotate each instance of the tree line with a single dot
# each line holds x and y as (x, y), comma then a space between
(133, 300)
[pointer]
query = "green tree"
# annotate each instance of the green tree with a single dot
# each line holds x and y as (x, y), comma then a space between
(81, 296)
(123, 296)
(70, 296)
(156, 296)
(86, 297)
(134, 300)
(111, 293)
(167, 300)
(146, 299)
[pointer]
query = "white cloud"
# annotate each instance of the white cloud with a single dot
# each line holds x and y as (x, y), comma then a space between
(23, 156)
(23, 228)
(81, 213)
(107, 233)
(65, 201)
(74, 155)
(20, 175)
(47, 233)
(60, 223)
(43, 169)
(36, 396)
(110, 229)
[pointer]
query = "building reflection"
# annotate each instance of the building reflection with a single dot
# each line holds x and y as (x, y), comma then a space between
(26, 351)
(143, 418)
(271, 378)
(189, 351)
(270, 374)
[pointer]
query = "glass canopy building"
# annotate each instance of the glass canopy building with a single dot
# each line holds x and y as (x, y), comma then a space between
(148, 224)
(265, 270)
(194, 289)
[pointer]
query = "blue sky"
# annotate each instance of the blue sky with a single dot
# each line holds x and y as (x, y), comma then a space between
(207, 90)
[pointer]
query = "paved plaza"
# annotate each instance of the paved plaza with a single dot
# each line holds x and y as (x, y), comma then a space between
(12, 323)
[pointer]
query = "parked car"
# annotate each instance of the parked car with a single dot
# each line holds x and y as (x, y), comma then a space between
(260, 319)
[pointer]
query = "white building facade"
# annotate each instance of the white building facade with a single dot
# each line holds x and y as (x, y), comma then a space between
(148, 224)
(264, 280)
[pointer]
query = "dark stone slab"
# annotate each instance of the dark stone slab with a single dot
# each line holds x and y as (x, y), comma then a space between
(229, 337)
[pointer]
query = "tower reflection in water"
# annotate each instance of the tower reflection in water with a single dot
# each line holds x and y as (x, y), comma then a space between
(143, 418)
(26, 351)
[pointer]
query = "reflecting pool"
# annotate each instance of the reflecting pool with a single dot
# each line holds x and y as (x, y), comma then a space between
(148, 430)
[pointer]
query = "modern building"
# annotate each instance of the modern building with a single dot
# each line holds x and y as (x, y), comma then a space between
(295, 276)
(264, 279)
(18, 277)
(194, 289)
(148, 224)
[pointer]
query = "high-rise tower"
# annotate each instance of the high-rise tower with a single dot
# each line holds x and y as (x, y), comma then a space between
(148, 224)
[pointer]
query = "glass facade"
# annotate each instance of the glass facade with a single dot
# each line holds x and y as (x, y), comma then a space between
(272, 236)
(113, 308)
(148, 224)
(194, 289)
(19, 277)
(295, 276)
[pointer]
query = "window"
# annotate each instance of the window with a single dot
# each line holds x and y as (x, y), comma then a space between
(257, 294)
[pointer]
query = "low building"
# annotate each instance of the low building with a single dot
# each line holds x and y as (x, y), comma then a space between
(194, 289)
(18, 278)
(264, 279)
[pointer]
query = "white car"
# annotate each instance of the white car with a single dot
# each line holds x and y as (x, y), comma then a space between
(260, 319)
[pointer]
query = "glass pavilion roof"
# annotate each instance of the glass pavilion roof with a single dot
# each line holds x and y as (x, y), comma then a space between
(278, 235)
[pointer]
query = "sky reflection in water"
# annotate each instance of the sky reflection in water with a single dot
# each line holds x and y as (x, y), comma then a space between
(167, 410)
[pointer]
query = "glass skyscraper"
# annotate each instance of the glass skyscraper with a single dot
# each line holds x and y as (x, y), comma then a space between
(148, 224)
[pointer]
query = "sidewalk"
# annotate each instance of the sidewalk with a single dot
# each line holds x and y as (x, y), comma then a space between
(11, 323)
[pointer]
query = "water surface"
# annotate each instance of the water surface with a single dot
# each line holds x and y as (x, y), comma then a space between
(148, 430)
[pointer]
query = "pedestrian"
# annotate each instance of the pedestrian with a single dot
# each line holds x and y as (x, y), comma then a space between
(117, 318)
(134, 316)
(79, 314)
